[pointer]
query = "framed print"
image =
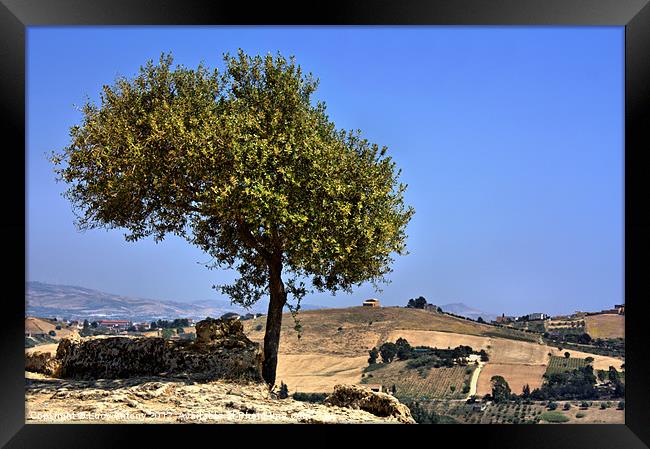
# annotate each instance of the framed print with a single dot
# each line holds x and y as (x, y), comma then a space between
(244, 218)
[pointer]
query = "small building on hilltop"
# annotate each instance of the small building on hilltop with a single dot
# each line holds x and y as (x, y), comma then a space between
(372, 302)
(503, 319)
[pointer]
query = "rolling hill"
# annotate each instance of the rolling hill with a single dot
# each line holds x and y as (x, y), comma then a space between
(67, 301)
(333, 345)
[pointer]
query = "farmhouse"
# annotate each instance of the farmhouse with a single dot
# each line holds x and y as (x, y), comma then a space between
(537, 316)
(503, 319)
(372, 302)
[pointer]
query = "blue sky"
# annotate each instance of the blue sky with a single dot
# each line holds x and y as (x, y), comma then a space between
(511, 141)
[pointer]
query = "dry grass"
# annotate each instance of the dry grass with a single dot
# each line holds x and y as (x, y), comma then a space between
(325, 355)
(605, 326)
(321, 334)
(594, 415)
(435, 339)
(311, 373)
(516, 375)
(40, 325)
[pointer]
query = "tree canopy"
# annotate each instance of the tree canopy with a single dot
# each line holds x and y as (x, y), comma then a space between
(245, 165)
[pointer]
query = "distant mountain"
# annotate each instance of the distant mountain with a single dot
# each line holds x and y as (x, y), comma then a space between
(67, 301)
(458, 308)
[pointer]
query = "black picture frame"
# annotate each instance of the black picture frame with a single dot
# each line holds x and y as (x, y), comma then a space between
(634, 15)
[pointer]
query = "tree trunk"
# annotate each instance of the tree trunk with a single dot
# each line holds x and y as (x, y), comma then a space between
(273, 321)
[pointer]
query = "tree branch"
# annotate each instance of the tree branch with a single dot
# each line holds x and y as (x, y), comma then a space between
(248, 237)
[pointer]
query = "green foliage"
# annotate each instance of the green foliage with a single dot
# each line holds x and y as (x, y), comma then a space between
(404, 349)
(373, 367)
(564, 364)
(576, 384)
(388, 352)
(417, 303)
(167, 333)
(580, 415)
(244, 165)
(554, 417)
(621, 405)
(373, 353)
(425, 361)
(422, 415)
(259, 327)
(500, 389)
(552, 406)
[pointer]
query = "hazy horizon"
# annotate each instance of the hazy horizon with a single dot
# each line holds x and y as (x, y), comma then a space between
(510, 139)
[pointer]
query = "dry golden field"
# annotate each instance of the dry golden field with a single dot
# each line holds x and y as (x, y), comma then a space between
(605, 326)
(40, 325)
(516, 375)
(318, 373)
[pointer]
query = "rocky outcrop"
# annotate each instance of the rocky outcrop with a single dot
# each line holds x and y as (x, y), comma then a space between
(42, 362)
(172, 400)
(221, 333)
(221, 351)
(362, 398)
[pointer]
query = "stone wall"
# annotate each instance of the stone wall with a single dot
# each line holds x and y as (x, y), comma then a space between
(221, 351)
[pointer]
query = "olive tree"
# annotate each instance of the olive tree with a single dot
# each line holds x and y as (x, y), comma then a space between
(242, 163)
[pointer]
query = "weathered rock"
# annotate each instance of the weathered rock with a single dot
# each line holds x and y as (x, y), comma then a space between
(42, 362)
(222, 352)
(223, 333)
(168, 400)
(379, 404)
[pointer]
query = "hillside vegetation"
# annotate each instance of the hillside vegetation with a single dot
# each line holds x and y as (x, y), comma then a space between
(334, 343)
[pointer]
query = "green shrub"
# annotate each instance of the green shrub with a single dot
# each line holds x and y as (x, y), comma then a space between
(259, 327)
(580, 415)
(621, 405)
(554, 417)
